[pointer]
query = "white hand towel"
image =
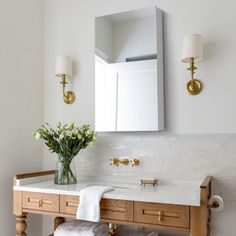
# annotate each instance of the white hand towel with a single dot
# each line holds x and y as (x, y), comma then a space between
(89, 205)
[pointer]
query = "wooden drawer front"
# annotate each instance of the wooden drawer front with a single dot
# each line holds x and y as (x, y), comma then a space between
(41, 201)
(117, 209)
(161, 214)
(110, 209)
(69, 204)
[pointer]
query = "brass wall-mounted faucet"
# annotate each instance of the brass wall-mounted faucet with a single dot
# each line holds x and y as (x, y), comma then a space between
(125, 161)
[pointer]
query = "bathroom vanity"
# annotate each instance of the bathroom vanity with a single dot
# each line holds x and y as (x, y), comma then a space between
(169, 206)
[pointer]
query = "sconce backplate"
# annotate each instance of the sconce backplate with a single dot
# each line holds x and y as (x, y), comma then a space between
(194, 87)
(69, 97)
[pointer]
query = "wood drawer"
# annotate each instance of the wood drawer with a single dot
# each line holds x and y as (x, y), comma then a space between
(161, 214)
(41, 201)
(110, 209)
(69, 204)
(117, 209)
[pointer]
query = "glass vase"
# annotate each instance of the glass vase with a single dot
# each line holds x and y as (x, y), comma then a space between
(65, 172)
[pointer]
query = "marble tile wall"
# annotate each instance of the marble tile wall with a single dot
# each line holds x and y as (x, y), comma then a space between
(165, 156)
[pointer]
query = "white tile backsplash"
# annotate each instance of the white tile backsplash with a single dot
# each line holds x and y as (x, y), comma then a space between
(166, 156)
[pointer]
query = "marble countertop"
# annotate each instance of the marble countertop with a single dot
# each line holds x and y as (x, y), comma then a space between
(185, 193)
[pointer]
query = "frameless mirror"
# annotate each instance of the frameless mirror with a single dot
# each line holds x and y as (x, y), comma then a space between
(129, 71)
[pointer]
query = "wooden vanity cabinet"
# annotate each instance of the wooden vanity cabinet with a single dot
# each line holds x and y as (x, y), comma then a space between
(194, 220)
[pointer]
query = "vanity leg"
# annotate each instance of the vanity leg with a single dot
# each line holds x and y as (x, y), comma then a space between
(199, 216)
(21, 225)
(195, 223)
(58, 221)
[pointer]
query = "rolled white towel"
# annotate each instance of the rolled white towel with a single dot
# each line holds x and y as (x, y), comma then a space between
(81, 228)
(135, 231)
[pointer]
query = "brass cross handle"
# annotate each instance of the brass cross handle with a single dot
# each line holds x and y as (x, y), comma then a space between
(114, 161)
(135, 162)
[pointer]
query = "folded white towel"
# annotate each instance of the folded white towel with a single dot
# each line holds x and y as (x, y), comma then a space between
(89, 205)
(81, 228)
(135, 231)
(74, 229)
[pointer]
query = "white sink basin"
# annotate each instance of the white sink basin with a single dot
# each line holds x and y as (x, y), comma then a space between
(115, 186)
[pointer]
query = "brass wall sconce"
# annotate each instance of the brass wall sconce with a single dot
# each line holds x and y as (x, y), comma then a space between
(63, 71)
(192, 53)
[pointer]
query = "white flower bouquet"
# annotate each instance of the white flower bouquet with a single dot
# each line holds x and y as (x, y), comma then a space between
(66, 141)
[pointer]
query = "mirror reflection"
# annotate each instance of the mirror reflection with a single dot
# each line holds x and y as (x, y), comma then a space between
(126, 76)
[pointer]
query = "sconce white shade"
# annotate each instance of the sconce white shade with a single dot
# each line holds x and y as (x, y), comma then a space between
(192, 47)
(63, 66)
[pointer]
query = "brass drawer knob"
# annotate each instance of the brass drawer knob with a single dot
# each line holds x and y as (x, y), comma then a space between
(160, 215)
(41, 203)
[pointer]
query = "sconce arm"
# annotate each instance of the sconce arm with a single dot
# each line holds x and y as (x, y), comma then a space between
(69, 96)
(64, 83)
(193, 86)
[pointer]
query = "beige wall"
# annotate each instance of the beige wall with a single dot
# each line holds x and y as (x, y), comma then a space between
(210, 112)
(21, 100)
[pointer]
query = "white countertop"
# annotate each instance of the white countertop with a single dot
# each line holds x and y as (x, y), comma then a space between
(185, 193)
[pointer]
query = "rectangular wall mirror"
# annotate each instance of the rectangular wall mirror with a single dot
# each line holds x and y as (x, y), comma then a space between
(129, 71)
